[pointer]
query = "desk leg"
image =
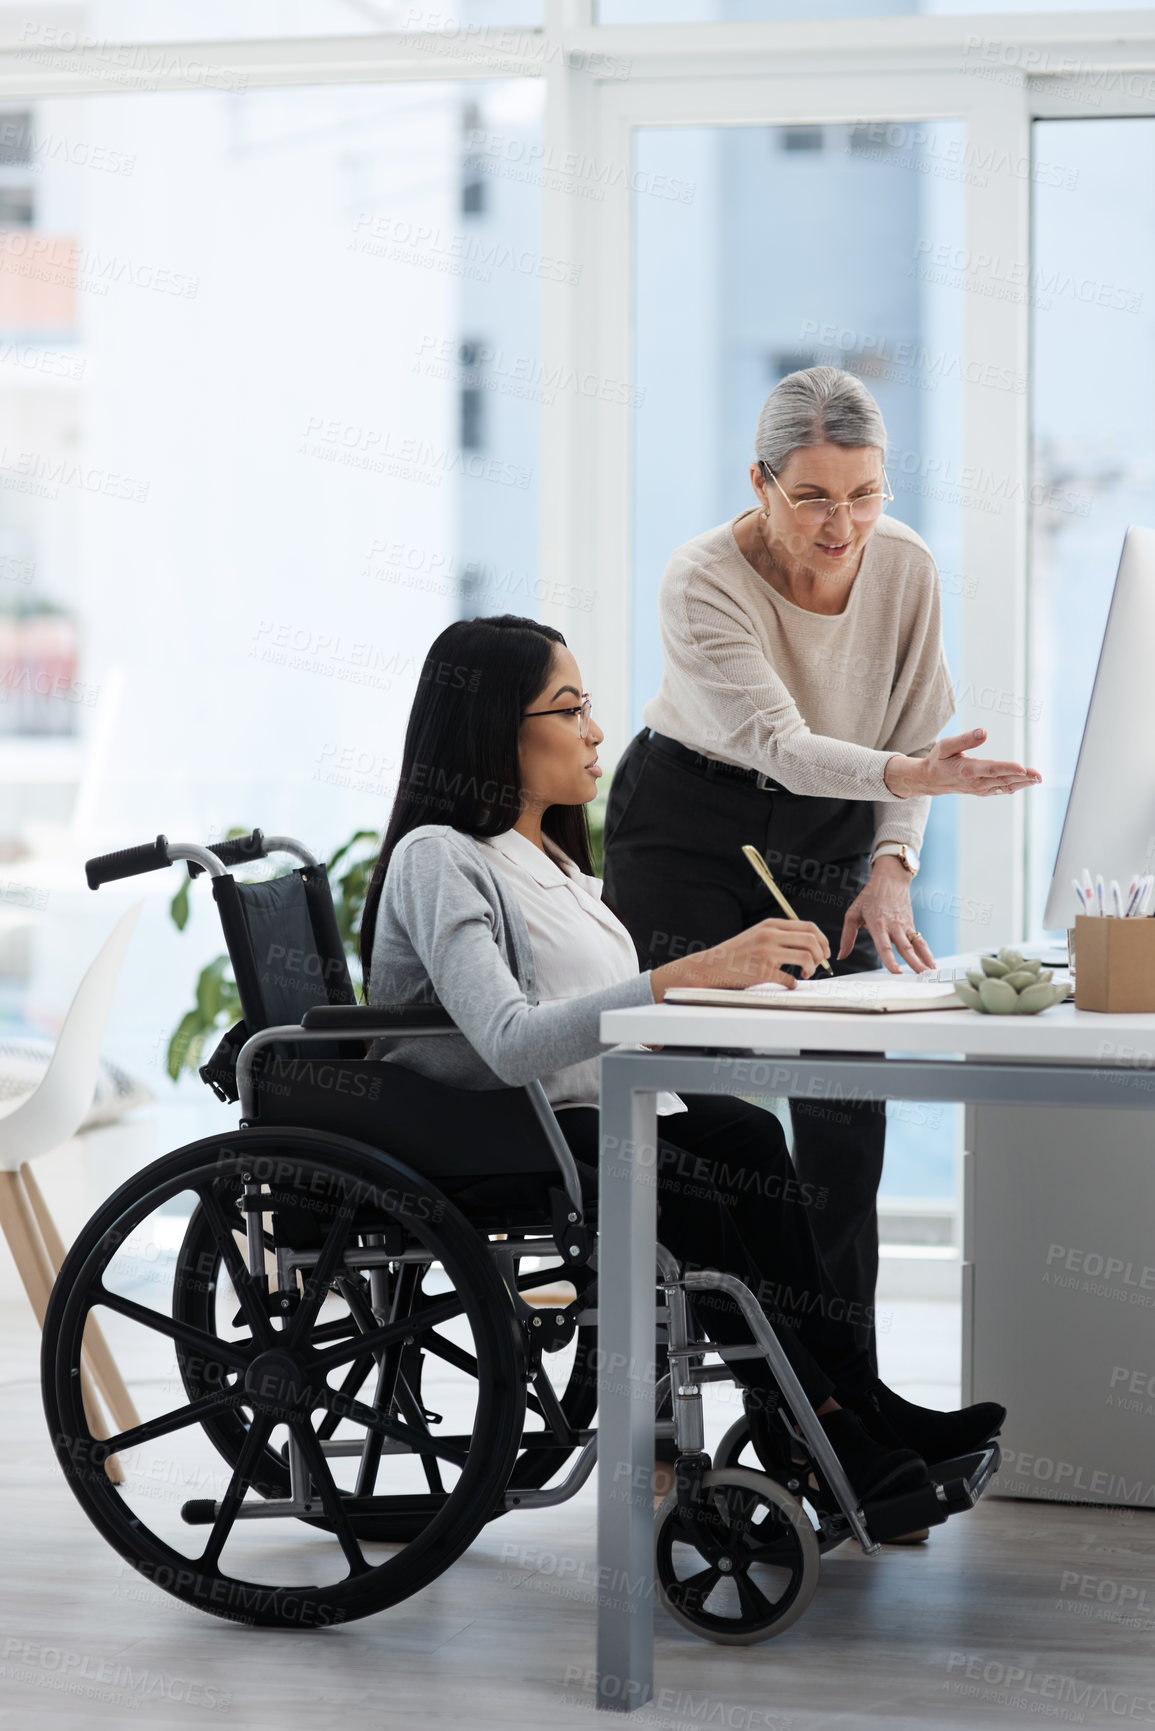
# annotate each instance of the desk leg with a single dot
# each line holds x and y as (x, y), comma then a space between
(626, 1263)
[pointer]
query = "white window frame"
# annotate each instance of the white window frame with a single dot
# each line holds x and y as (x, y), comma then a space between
(603, 83)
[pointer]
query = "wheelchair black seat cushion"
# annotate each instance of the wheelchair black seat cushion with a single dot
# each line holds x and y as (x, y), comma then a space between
(483, 1147)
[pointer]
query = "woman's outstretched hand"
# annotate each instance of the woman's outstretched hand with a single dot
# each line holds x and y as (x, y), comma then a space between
(752, 958)
(947, 769)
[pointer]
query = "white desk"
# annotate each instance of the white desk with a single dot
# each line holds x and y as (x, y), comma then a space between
(1063, 1058)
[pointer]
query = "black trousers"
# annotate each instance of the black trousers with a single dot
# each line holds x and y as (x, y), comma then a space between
(729, 1199)
(675, 875)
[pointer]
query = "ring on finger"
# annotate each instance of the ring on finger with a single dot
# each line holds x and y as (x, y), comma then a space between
(914, 937)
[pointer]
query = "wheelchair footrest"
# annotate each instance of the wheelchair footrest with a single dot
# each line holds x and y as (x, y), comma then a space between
(955, 1485)
(962, 1481)
(891, 1517)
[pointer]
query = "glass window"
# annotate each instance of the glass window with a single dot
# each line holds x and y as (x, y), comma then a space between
(140, 24)
(270, 420)
(1093, 420)
(715, 11)
(15, 138)
(754, 259)
(727, 304)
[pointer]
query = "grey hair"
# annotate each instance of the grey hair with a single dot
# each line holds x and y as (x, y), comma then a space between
(818, 406)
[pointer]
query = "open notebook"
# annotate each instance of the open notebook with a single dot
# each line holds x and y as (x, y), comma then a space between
(871, 997)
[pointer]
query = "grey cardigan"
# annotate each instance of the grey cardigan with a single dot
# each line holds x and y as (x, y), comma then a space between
(450, 932)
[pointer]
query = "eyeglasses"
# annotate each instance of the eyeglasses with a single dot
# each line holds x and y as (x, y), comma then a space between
(815, 512)
(583, 711)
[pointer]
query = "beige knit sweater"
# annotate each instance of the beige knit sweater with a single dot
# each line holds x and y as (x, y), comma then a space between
(817, 702)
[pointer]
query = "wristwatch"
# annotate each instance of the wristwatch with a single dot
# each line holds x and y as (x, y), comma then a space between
(901, 851)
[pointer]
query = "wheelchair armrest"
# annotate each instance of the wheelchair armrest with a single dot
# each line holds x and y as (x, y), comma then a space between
(373, 1019)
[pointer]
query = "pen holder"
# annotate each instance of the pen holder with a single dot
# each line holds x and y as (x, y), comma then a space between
(1116, 964)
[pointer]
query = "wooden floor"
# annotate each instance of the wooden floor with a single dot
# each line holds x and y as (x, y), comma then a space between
(1016, 1613)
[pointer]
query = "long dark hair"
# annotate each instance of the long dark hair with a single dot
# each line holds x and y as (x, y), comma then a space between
(460, 764)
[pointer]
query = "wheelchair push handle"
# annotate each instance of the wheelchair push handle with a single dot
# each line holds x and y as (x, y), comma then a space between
(239, 851)
(130, 862)
(155, 856)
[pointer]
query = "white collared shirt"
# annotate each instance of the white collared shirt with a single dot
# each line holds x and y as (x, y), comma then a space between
(578, 945)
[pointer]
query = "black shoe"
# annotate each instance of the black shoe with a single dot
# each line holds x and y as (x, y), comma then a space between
(780, 1454)
(873, 1468)
(936, 1436)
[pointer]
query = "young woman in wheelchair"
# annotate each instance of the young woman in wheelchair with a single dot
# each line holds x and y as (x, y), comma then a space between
(484, 900)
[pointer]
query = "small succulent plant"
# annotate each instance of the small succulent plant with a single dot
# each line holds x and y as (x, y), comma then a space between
(1009, 986)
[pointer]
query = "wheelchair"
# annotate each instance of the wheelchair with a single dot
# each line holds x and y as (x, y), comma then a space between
(368, 1314)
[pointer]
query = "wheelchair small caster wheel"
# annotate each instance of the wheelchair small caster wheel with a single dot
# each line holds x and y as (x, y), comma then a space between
(734, 1444)
(736, 1449)
(745, 1566)
(773, 1454)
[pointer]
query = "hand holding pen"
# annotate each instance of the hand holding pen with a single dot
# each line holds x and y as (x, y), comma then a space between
(760, 955)
(764, 872)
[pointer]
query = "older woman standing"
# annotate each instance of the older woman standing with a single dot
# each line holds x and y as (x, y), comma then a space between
(804, 688)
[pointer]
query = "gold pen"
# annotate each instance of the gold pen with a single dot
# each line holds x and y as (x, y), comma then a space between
(763, 871)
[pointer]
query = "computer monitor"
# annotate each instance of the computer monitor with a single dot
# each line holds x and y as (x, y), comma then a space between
(1110, 823)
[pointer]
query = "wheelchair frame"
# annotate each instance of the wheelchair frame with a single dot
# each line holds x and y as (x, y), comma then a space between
(711, 1507)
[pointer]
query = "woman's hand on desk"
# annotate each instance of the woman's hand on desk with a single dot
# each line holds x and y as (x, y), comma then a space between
(947, 769)
(751, 959)
(884, 909)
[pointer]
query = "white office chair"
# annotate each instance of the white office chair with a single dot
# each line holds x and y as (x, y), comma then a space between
(37, 1124)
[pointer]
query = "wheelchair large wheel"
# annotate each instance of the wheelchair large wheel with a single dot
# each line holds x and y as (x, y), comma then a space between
(330, 1212)
(742, 1567)
(205, 1299)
